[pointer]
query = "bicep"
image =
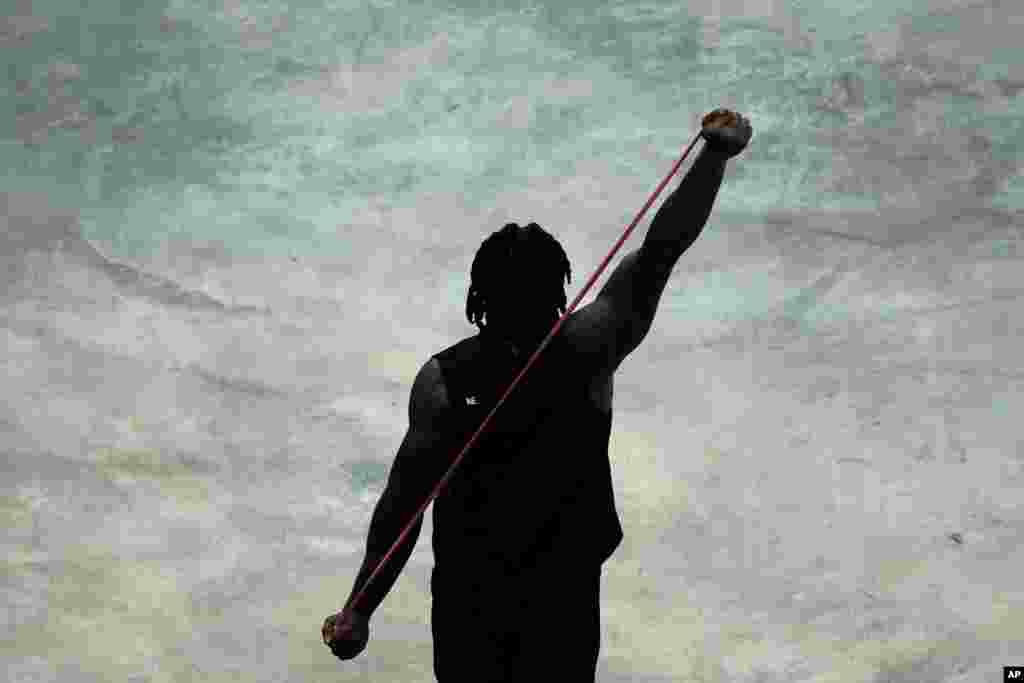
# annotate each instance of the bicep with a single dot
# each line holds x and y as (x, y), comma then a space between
(421, 458)
(634, 289)
(613, 325)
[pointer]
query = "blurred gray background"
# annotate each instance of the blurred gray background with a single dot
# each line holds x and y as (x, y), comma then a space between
(233, 231)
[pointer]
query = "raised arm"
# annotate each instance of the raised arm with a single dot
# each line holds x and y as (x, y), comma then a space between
(613, 325)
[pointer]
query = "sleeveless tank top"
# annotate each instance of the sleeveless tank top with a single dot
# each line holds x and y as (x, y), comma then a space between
(534, 494)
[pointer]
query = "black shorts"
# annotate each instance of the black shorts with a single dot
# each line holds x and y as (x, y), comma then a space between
(548, 631)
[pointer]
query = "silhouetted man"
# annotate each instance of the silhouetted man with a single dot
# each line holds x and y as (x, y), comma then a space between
(524, 525)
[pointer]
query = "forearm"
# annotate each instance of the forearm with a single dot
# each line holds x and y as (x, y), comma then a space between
(682, 216)
(385, 527)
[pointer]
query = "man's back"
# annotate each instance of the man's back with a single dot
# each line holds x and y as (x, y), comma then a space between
(535, 490)
(526, 521)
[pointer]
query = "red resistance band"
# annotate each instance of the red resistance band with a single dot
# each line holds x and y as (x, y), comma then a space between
(536, 354)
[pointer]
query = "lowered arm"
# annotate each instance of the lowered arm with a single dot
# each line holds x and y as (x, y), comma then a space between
(416, 470)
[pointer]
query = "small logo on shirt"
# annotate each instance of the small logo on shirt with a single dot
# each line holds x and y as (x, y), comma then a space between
(471, 401)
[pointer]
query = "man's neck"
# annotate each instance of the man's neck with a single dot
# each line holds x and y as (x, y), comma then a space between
(518, 345)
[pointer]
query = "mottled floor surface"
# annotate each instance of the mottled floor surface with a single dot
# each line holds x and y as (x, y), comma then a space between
(232, 233)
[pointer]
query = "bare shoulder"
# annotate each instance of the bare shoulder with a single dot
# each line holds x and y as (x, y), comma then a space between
(428, 399)
(592, 332)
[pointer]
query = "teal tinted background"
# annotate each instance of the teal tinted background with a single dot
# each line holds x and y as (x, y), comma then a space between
(232, 233)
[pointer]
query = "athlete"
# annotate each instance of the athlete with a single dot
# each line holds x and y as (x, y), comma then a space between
(524, 525)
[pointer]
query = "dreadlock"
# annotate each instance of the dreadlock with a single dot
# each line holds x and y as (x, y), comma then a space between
(500, 262)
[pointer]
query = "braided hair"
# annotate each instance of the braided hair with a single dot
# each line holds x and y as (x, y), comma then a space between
(508, 256)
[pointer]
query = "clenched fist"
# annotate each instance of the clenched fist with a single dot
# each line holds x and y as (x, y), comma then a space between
(346, 633)
(726, 132)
